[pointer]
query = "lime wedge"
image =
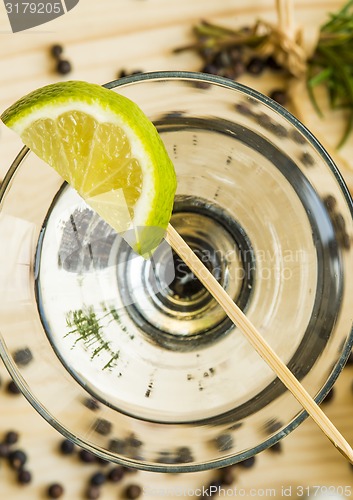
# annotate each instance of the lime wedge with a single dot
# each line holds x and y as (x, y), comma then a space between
(106, 148)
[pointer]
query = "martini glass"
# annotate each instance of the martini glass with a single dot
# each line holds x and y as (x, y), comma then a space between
(132, 358)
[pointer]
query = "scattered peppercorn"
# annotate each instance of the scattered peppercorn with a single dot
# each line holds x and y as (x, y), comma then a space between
(248, 463)
(133, 491)
(346, 241)
(17, 459)
(56, 50)
(91, 404)
(307, 159)
(86, 456)
(12, 388)
(97, 479)
(4, 450)
(276, 448)
(116, 474)
(129, 470)
(255, 66)
(227, 476)
(244, 109)
(280, 96)
(297, 137)
(273, 426)
(11, 437)
(330, 202)
(93, 492)
(67, 447)
(272, 64)
(224, 442)
(102, 461)
(123, 72)
(133, 442)
(23, 357)
(117, 445)
(339, 222)
(24, 476)
(279, 130)
(103, 426)
(55, 490)
(184, 455)
(63, 67)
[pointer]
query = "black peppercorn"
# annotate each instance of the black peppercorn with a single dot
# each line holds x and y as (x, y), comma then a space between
(93, 492)
(330, 202)
(67, 447)
(129, 470)
(116, 474)
(222, 59)
(55, 490)
(339, 222)
(210, 68)
(11, 437)
(272, 64)
(63, 67)
(4, 450)
(248, 463)
(280, 96)
(23, 357)
(297, 137)
(86, 456)
(102, 461)
(133, 491)
(91, 404)
(133, 442)
(117, 445)
(12, 388)
(103, 427)
(227, 476)
(183, 455)
(97, 479)
(255, 66)
(17, 459)
(276, 448)
(346, 241)
(24, 476)
(56, 50)
(224, 442)
(273, 426)
(244, 109)
(307, 159)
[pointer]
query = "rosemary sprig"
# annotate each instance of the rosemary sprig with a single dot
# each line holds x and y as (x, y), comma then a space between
(87, 328)
(332, 65)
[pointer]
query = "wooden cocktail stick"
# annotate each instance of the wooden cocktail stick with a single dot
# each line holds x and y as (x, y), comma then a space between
(260, 345)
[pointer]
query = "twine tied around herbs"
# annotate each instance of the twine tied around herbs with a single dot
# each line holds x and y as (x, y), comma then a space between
(291, 48)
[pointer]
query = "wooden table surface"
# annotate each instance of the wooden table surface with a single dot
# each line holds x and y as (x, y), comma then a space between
(100, 38)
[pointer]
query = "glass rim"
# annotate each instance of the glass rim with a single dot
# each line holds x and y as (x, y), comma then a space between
(346, 348)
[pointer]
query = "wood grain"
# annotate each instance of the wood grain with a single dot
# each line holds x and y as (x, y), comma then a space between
(100, 38)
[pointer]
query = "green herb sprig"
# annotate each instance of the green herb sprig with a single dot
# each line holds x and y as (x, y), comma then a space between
(332, 65)
(87, 328)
